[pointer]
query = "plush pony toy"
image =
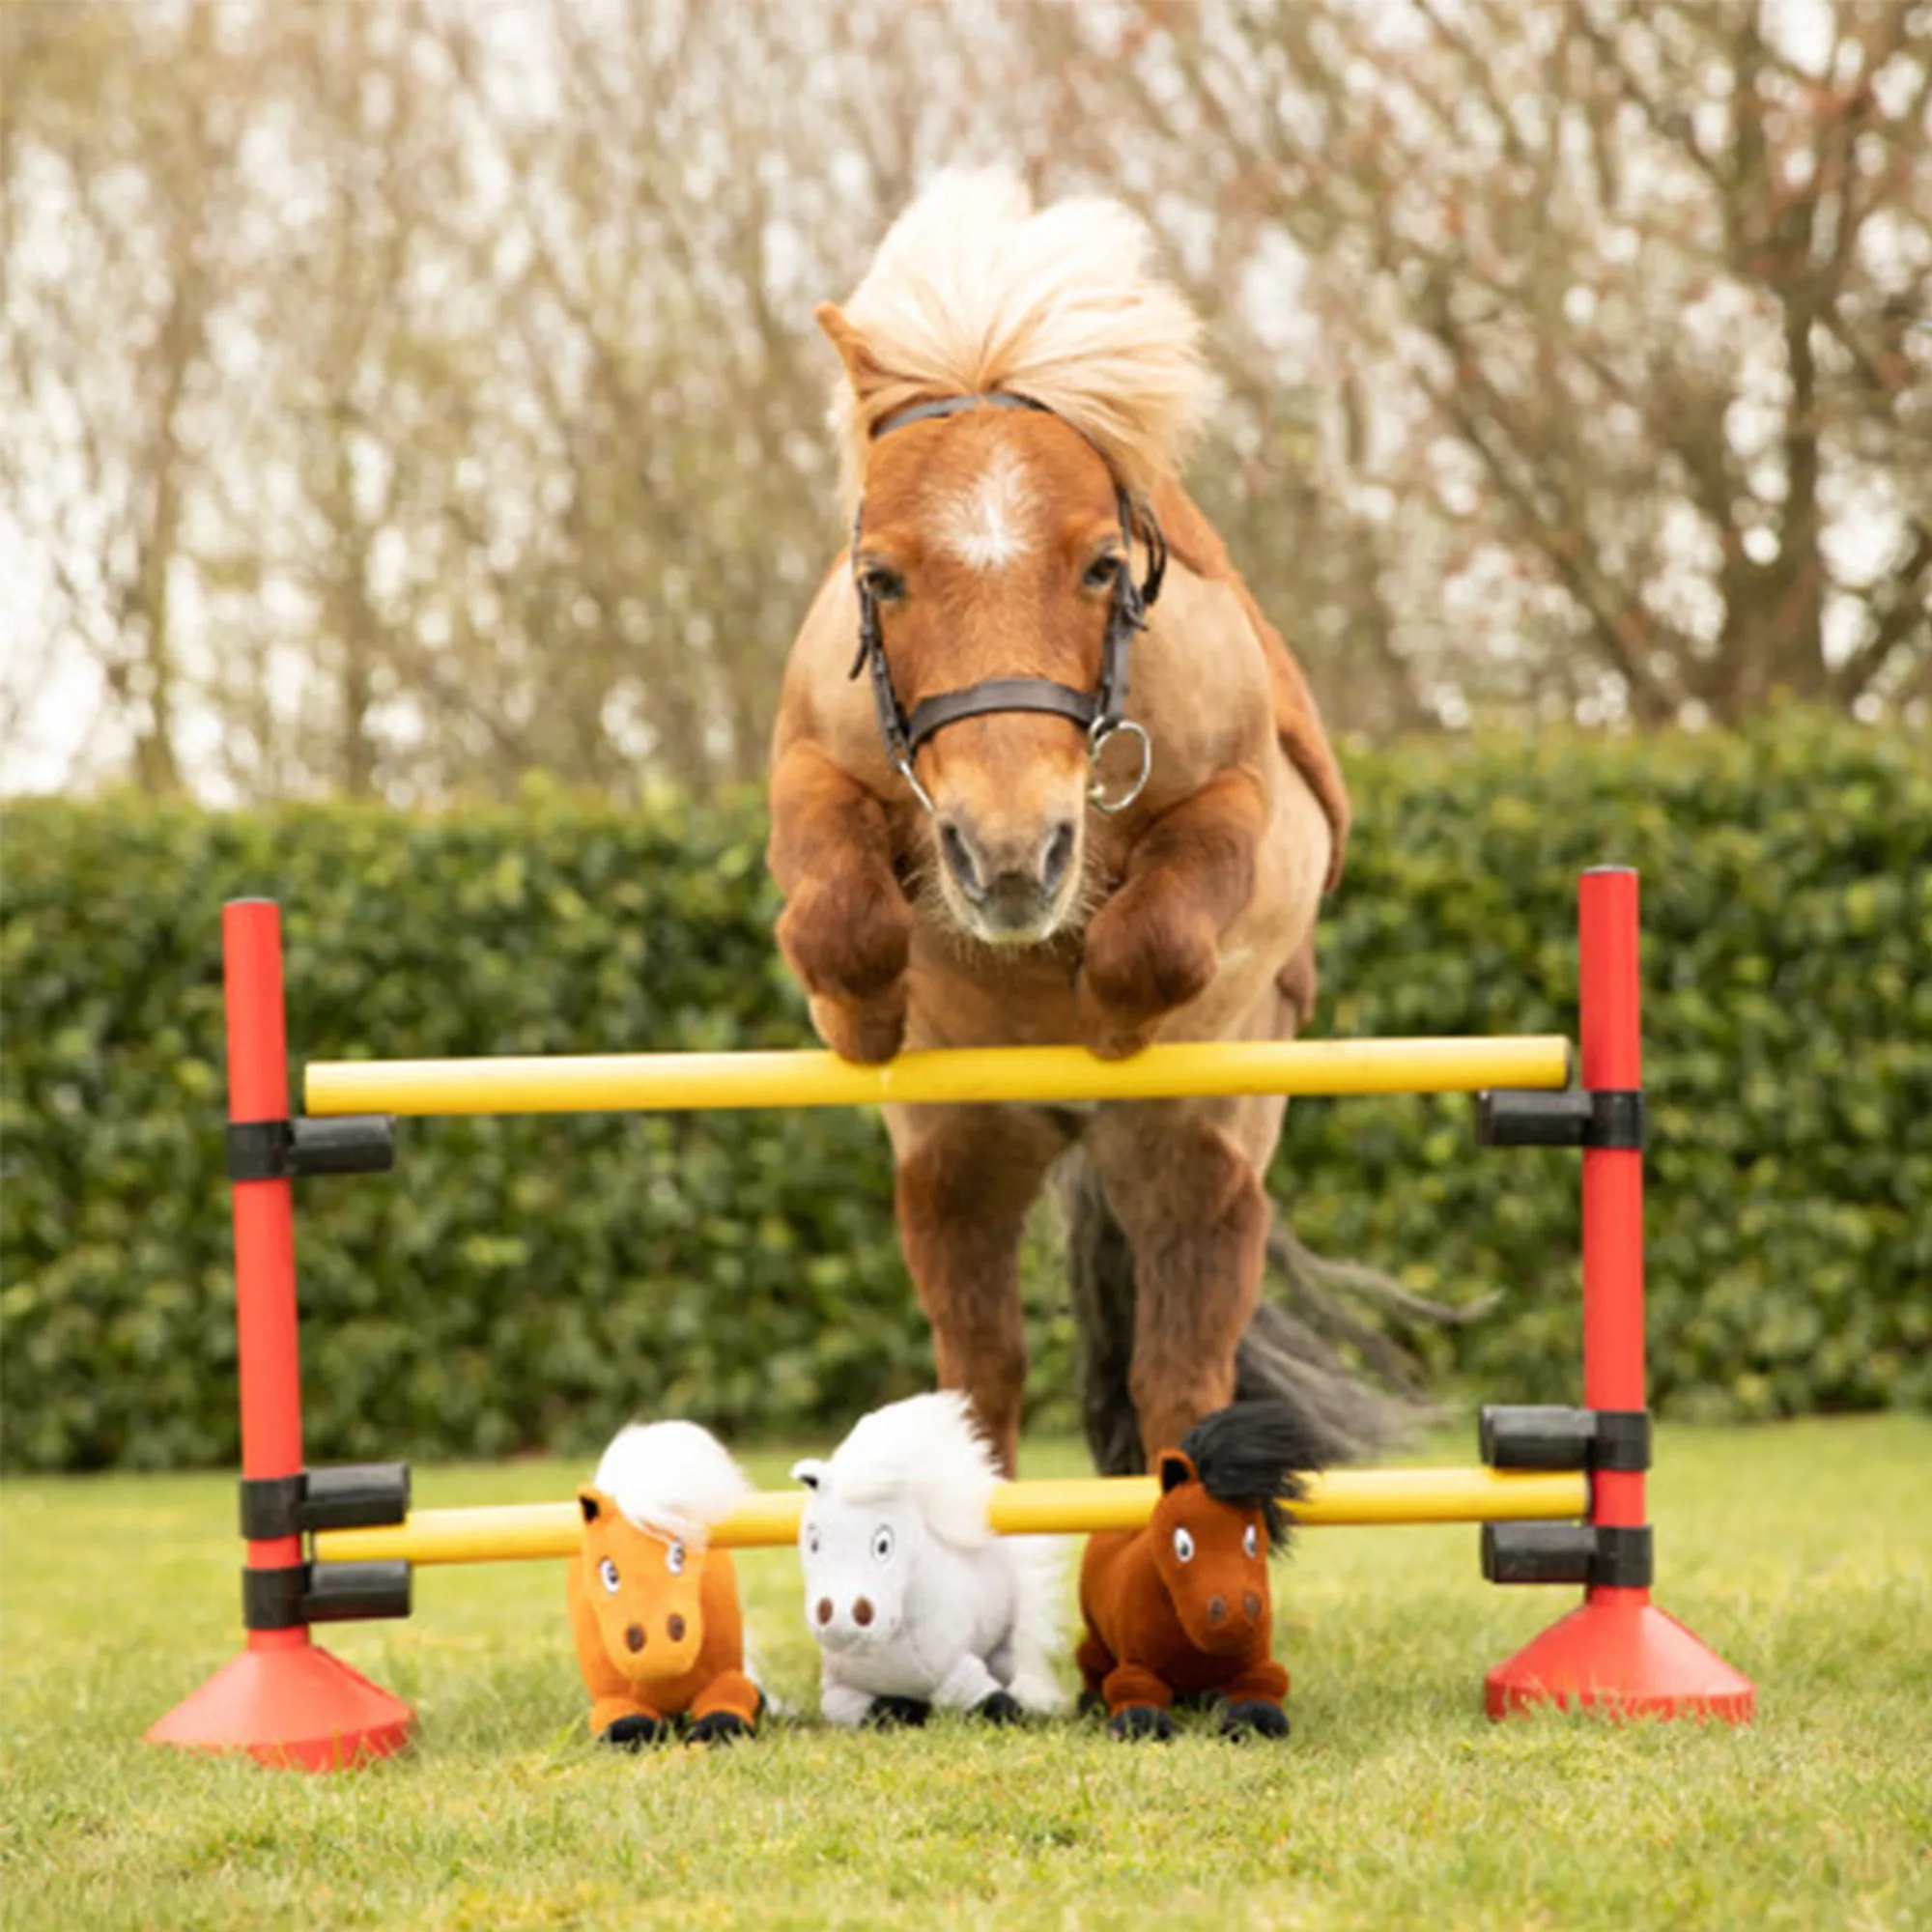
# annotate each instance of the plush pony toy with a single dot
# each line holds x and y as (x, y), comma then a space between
(913, 1599)
(1181, 1607)
(660, 1636)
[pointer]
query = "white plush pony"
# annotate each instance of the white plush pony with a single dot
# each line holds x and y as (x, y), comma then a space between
(914, 1600)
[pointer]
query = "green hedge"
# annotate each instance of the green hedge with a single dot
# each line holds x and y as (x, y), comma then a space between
(530, 1282)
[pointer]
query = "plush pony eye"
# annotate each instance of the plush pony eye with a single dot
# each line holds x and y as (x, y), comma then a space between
(882, 1544)
(607, 1571)
(674, 1559)
(1250, 1542)
(1183, 1545)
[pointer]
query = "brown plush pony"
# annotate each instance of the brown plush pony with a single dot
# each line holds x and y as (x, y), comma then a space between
(654, 1610)
(1181, 1607)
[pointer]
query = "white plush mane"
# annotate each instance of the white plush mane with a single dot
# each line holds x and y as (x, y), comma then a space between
(973, 290)
(673, 1477)
(926, 1448)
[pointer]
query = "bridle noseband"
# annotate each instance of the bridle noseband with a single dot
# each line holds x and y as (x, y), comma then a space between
(1099, 712)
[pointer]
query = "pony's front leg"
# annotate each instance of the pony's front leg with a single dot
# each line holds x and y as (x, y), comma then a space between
(1155, 945)
(970, 1685)
(1191, 1205)
(1253, 1701)
(727, 1708)
(1138, 1703)
(628, 1722)
(843, 1703)
(847, 929)
(965, 1178)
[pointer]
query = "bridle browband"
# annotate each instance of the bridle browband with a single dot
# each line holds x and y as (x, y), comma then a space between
(1099, 712)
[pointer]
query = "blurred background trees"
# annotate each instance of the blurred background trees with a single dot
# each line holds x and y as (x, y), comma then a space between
(405, 396)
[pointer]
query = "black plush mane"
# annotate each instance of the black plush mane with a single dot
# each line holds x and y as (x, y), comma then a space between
(1251, 1455)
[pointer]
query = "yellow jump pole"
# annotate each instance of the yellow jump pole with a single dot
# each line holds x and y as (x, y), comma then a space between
(521, 1531)
(586, 1083)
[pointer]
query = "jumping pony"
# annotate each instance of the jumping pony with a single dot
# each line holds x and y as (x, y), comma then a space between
(912, 1599)
(1181, 1608)
(659, 1635)
(988, 832)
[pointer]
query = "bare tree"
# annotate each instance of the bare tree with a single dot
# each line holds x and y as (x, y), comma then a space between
(1614, 307)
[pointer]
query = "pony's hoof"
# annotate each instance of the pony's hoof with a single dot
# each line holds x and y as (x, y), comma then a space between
(888, 1712)
(720, 1728)
(1091, 1705)
(1255, 1714)
(634, 1733)
(1141, 1720)
(1002, 1707)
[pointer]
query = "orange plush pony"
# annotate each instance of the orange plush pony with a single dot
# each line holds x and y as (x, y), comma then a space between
(655, 1612)
(1181, 1607)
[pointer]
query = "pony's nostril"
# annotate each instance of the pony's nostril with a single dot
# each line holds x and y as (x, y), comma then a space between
(825, 1609)
(1055, 857)
(674, 1627)
(634, 1637)
(1217, 1609)
(862, 1612)
(957, 853)
(1252, 1604)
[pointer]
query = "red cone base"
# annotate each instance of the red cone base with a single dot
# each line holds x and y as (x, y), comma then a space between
(1619, 1653)
(293, 1707)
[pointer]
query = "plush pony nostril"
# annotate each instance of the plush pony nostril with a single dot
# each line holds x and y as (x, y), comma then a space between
(825, 1609)
(634, 1637)
(674, 1627)
(862, 1612)
(1252, 1604)
(1217, 1609)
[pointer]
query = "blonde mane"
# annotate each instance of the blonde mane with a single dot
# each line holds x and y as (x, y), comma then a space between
(973, 290)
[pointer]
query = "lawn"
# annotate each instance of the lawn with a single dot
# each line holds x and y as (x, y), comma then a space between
(1802, 1552)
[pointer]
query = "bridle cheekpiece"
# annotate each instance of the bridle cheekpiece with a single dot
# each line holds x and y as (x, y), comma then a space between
(1100, 712)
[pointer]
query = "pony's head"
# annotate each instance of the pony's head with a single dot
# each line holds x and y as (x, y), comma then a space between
(646, 1517)
(1220, 1517)
(997, 547)
(908, 1478)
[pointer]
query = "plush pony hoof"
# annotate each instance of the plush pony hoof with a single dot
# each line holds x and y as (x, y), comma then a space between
(1002, 1707)
(634, 1733)
(1139, 1721)
(1253, 1714)
(720, 1728)
(888, 1712)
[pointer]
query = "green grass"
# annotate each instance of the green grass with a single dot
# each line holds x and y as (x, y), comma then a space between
(1800, 1551)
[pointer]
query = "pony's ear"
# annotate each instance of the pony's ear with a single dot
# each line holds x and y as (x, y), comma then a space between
(810, 1471)
(1176, 1466)
(863, 369)
(591, 1503)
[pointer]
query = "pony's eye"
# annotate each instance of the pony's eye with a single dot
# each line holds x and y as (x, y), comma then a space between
(882, 1544)
(1183, 1545)
(886, 587)
(607, 1572)
(674, 1559)
(1101, 572)
(1250, 1542)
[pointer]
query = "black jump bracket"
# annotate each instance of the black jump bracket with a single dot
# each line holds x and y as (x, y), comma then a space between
(1539, 1435)
(293, 1594)
(1595, 1554)
(1579, 1116)
(343, 1495)
(310, 1144)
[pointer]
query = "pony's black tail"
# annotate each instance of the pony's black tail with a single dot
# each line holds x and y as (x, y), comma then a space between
(1289, 1353)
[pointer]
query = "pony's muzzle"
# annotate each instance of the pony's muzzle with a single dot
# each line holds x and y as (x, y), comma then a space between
(1011, 882)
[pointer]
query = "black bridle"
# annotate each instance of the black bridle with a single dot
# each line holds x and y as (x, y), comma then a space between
(1099, 712)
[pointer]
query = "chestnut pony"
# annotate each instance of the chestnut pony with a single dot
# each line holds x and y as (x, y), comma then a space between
(1043, 773)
